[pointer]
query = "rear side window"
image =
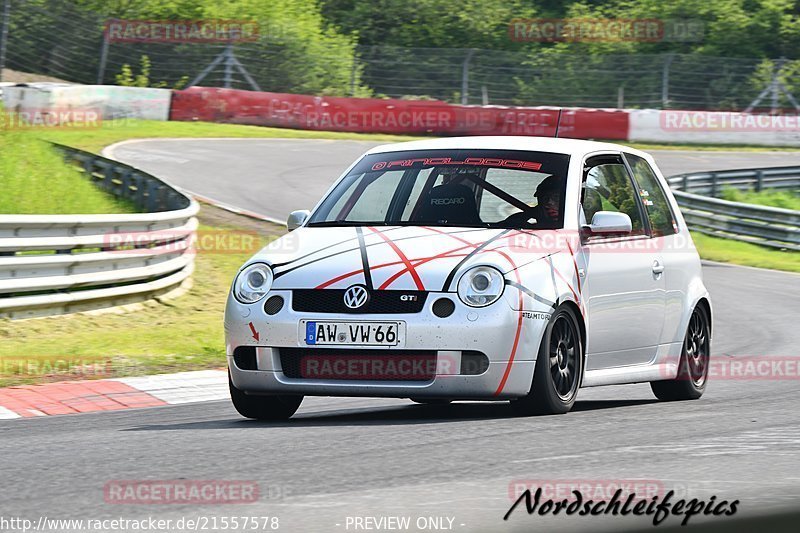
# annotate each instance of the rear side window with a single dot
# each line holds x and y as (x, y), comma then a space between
(608, 187)
(655, 201)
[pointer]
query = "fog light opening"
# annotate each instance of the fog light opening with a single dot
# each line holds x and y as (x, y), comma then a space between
(244, 357)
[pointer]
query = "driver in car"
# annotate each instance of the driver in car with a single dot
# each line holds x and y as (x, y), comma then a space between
(546, 213)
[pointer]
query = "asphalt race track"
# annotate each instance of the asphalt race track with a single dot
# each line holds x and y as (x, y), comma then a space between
(341, 458)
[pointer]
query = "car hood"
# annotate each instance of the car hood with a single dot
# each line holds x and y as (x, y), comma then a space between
(396, 257)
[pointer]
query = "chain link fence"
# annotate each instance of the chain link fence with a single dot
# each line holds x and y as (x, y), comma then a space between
(70, 45)
(547, 77)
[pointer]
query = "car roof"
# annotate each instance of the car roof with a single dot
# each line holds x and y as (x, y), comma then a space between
(536, 144)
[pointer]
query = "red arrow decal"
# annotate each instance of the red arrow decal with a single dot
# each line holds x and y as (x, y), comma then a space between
(253, 330)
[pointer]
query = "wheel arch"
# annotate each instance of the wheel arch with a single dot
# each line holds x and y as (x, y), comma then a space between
(705, 305)
(582, 330)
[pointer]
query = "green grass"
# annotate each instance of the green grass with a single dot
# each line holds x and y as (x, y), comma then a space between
(773, 198)
(743, 253)
(34, 179)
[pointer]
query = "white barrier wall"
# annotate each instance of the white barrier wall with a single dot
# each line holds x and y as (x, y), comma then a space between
(22, 99)
(107, 101)
(116, 102)
(713, 127)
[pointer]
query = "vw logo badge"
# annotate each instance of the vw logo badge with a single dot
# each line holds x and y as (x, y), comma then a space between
(356, 296)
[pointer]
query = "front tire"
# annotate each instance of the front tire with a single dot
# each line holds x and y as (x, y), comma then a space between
(693, 367)
(273, 408)
(559, 368)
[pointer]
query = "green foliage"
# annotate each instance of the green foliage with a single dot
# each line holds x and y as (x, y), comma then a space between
(589, 73)
(126, 78)
(428, 23)
(296, 51)
(734, 28)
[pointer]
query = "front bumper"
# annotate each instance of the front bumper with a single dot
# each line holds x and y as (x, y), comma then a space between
(509, 341)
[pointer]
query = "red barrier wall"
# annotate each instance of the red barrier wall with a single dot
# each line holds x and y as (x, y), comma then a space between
(366, 115)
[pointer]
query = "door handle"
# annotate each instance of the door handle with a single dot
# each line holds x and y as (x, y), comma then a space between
(658, 268)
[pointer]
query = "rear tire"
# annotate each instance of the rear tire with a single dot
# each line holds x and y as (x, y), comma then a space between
(273, 408)
(559, 368)
(693, 367)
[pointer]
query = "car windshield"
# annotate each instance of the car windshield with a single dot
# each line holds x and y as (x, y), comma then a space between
(472, 188)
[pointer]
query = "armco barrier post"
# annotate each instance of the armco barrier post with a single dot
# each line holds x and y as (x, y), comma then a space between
(108, 179)
(713, 185)
(138, 182)
(759, 180)
(88, 166)
(125, 177)
(152, 201)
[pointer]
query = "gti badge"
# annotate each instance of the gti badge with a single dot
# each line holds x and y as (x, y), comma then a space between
(356, 296)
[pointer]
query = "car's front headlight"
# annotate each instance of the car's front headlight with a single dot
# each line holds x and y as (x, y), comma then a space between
(481, 286)
(253, 283)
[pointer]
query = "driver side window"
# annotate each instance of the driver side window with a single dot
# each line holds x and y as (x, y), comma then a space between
(607, 187)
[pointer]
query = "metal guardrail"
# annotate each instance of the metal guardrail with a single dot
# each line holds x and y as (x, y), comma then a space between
(52, 264)
(697, 192)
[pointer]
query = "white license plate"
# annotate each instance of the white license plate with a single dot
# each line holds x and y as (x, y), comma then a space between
(334, 332)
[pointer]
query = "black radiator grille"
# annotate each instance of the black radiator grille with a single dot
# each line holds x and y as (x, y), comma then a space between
(380, 302)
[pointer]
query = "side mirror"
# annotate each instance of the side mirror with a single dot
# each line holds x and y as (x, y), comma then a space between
(609, 223)
(297, 219)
